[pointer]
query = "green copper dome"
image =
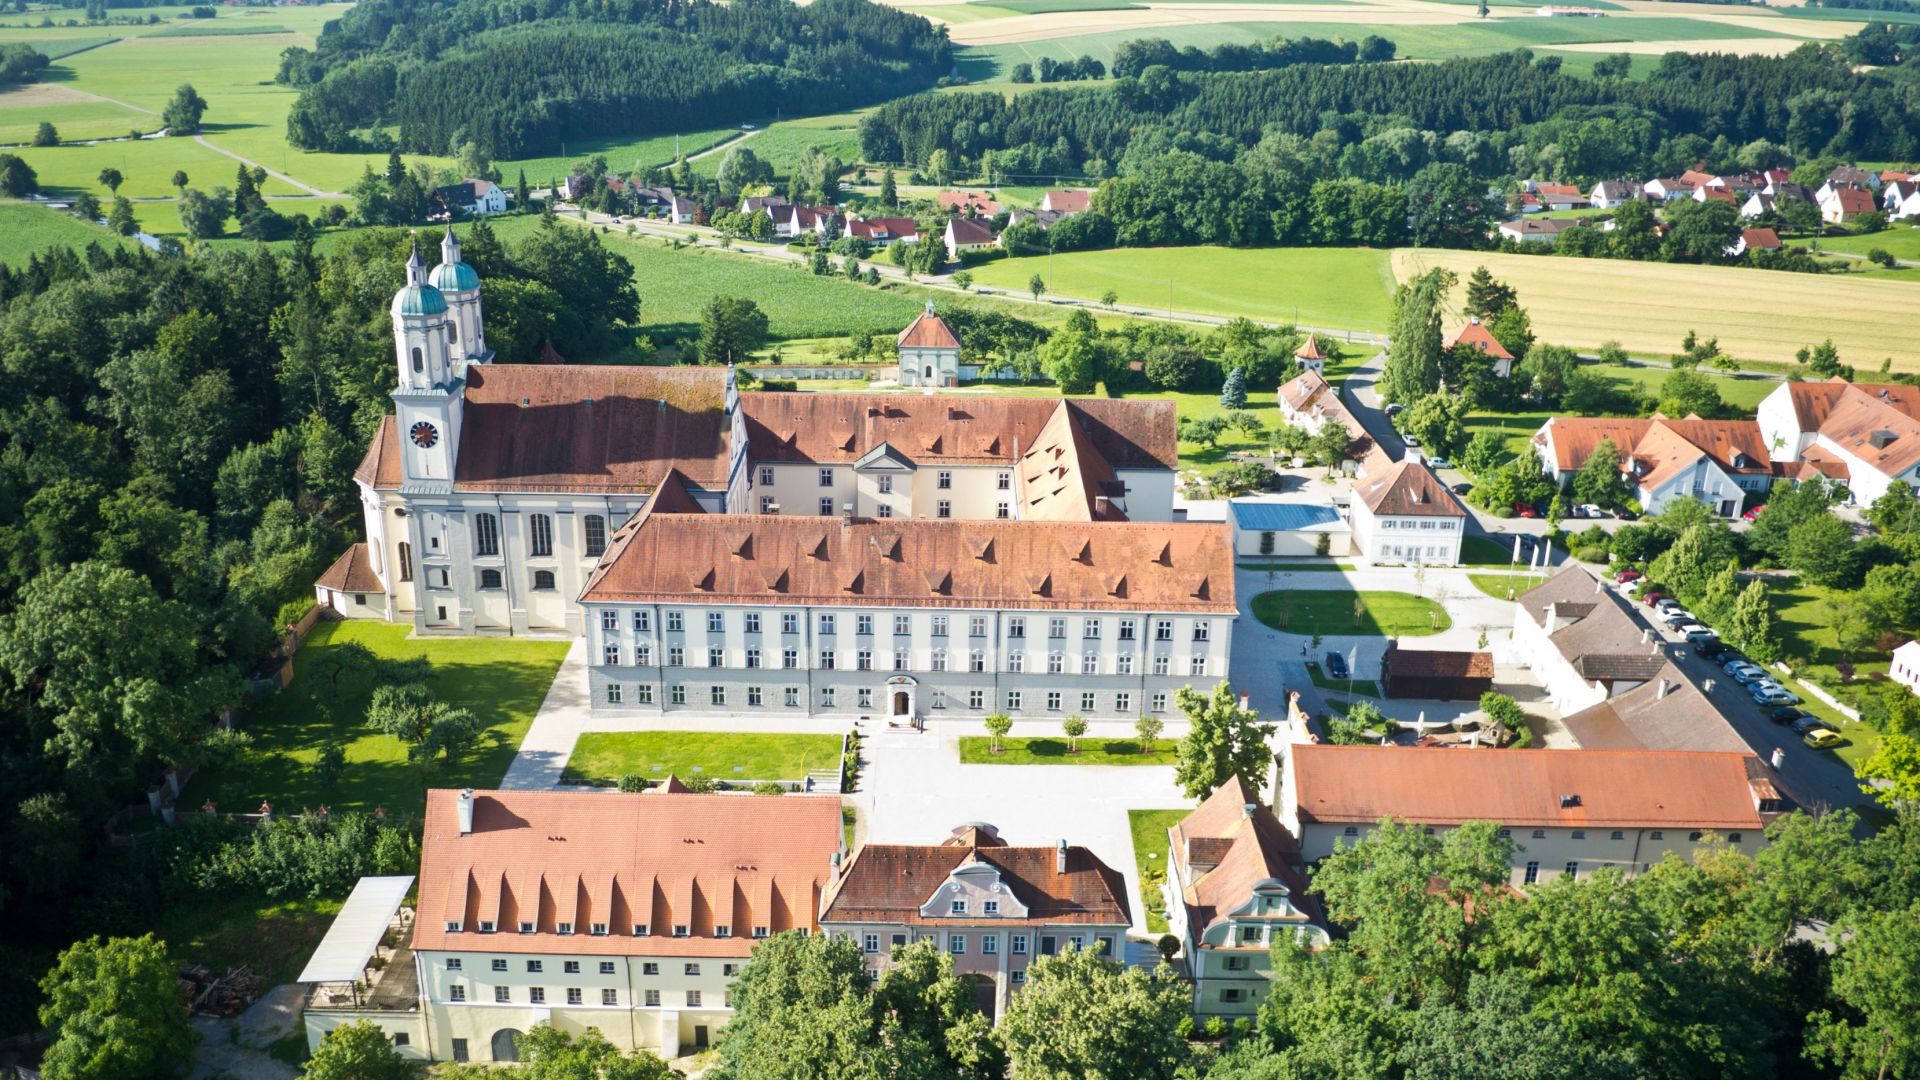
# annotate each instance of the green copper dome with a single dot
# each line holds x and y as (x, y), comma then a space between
(454, 277)
(419, 300)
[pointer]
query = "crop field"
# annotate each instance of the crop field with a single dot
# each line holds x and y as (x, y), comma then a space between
(782, 142)
(1343, 288)
(1648, 307)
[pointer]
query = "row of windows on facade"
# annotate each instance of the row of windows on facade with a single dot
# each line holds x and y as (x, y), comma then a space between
(607, 967)
(537, 995)
(612, 655)
(1441, 524)
(990, 942)
(1581, 834)
(943, 480)
(756, 697)
(941, 509)
(1125, 629)
(486, 542)
(600, 929)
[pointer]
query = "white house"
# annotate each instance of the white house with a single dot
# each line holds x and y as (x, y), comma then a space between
(965, 235)
(473, 197)
(912, 620)
(1905, 668)
(1668, 190)
(1403, 514)
(929, 352)
(1722, 463)
(1074, 201)
(1863, 435)
(1608, 194)
(1901, 199)
(1841, 205)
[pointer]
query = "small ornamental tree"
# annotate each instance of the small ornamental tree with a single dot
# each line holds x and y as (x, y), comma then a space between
(357, 1051)
(1075, 726)
(1149, 729)
(998, 724)
(1037, 285)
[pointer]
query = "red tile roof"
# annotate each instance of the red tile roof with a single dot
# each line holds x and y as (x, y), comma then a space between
(889, 883)
(970, 231)
(755, 559)
(1310, 349)
(1853, 200)
(968, 201)
(1238, 843)
(1622, 788)
(1407, 489)
(1476, 334)
(1069, 202)
(657, 858)
(927, 331)
(1763, 239)
(352, 572)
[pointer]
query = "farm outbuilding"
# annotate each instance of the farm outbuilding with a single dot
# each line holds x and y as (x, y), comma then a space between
(1278, 528)
(1436, 675)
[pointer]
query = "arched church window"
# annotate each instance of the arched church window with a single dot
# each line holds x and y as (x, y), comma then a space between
(486, 534)
(419, 359)
(490, 579)
(453, 332)
(543, 579)
(929, 371)
(540, 534)
(406, 561)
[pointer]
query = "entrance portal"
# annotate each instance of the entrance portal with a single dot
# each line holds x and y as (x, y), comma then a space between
(901, 706)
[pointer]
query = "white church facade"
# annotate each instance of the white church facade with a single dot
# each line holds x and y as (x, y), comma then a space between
(493, 490)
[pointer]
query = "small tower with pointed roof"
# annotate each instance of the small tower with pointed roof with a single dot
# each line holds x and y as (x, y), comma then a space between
(1310, 356)
(929, 352)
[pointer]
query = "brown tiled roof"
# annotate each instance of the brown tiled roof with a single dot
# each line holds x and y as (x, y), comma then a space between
(1070, 202)
(968, 230)
(927, 331)
(351, 572)
(1061, 477)
(840, 428)
(1601, 667)
(1624, 788)
(1853, 200)
(746, 558)
(972, 201)
(1438, 664)
(663, 859)
(1310, 349)
(888, 883)
(1644, 718)
(1245, 848)
(1658, 447)
(1763, 239)
(1476, 334)
(1863, 415)
(1408, 489)
(577, 428)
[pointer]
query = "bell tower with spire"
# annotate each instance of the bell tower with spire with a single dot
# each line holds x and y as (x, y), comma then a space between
(432, 386)
(460, 285)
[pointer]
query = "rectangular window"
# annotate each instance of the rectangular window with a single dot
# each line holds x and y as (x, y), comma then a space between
(753, 696)
(957, 944)
(990, 907)
(1573, 869)
(863, 624)
(693, 999)
(1086, 701)
(1158, 702)
(1016, 662)
(1090, 628)
(650, 969)
(753, 622)
(1013, 701)
(1089, 663)
(990, 944)
(826, 477)
(939, 660)
(1126, 629)
(486, 534)
(610, 654)
(792, 697)
(717, 695)
(1197, 665)
(676, 622)
(1018, 945)
(766, 476)
(1533, 873)
(943, 480)
(691, 969)
(613, 693)
(886, 485)
(826, 659)
(863, 660)
(609, 620)
(606, 967)
(716, 622)
(574, 996)
(826, 624)
(1056, 628)
(1016, 627)
(454, 964)
(1123, 664)
(957, 907)
(537, 995)
(870, 943)
(676, 656)
(826, 506)
(716, 657)
(863, 698)
(499, 963)
(1053, 701)
(653, 999)
(677, 694)
(609, 996)
(643, 694)
(1019, 976)
(535, 966)
(976, 699)
(594, 528)
(1003, 510)
(899, 659)
(789, 622)
(642, 621)
(1163, 629)
(790, 658)
(1123, 703)
(1048, 946)
(903, 624)
(753, 658)
(1230, 994)
(1202, 630)
(1004, 481)
(943, 508)
(939, 626)
(456, 993)
(977, 661)
(1161, 664)
(827, 697)
(767, 504)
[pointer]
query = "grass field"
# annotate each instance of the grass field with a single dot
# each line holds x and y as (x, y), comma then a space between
(1150, 850)
(1332, 611)
(978, 750)
(624, 154)
(782, 143)
(1648, 307)
(603, 757)
(1505, 586)
(1900, 241)
(501, 679)
(26, 229)
(1345, 288)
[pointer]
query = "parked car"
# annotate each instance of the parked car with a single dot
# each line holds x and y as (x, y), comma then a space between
(1627, 515)
(1787, 714)
(1744, 671)
(1653, 599)
(1591, 510)
(1774, 696)
(1807, 725)
(1440, 463)
(1410, 440)
(1666, 603)
(1753, 512)
(1394, 409)
(1337, 665)
(1824, 740)
(1715, 651)
(1525, 510)
(1462, 488)
(1696, 633)
(1625, 576)
(1675, 617)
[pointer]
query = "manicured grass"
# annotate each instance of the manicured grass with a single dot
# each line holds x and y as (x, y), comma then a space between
(273, 937)
(1345, 288)
(1902, 241)
(26, 229)
(603, 757)
(1150, 852)
(1505, 586)
(1357, 687)
(1331, 612)
(502, 680)
(1757, 314)
(977, 750)
(624, 153)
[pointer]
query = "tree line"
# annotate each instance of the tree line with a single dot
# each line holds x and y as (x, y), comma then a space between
(517, 79)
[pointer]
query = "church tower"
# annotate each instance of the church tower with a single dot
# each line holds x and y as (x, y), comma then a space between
(431, 388)
(460, 285)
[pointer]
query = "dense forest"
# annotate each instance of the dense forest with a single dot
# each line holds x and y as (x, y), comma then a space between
(177, 444)
(518, 78)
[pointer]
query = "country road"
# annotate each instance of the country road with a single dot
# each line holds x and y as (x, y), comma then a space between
(280, 176)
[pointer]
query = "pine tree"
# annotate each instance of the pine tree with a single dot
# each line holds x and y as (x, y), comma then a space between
(889, 194)
(1751, 624)
(1413, 358)
(1487, 296)
(1233, 394)
(521, 195)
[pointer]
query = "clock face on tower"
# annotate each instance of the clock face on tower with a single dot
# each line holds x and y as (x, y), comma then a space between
(424, 435)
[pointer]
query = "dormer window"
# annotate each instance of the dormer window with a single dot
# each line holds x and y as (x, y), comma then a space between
(526, 928)
(454, 926)
(759, 931)
(565, 928)
(680, 930)
(599, 929)
(990, 907)
(641, 929)
(486, 926)
(957, 907)
(723, 931)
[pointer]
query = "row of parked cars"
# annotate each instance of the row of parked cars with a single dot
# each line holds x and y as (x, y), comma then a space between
(1765, 690)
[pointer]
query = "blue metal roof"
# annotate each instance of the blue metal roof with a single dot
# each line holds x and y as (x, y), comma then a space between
(1281, 516)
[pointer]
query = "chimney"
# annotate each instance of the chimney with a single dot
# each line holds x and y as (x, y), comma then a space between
(1102, 506)
(1247, 809)
(1661, 693)
(466, 811)
(1060, 858)
(1599, 586)
(1646, 636)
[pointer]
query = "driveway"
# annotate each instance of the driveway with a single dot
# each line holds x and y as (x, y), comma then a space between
(1359, 391)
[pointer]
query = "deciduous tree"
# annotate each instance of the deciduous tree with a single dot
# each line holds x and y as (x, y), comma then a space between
(1224, 741)
(1082, 1016)
(115, 1011)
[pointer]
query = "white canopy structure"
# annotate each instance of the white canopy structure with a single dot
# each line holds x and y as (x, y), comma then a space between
(363, 920)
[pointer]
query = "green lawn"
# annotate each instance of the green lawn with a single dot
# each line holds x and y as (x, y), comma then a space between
(1517, 428)
(1356, 687)
(1150, 851)
(782, 142)
(1332, 611)
(501, 679)
(624, 153)
(1348, 288)
(977, 750)
(1900, 240)
(1505, 586)
(26, 229)
(1486, 551)
(603, 757)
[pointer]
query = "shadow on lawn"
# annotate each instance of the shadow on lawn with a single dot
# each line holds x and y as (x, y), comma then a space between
(1057, 748)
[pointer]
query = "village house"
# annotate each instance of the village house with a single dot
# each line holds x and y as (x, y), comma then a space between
(966, 235)
(1608, 194)
(1232, 892)
(1863, 435)
(1553, 196)
(968, 203)
(882, 231)
(1901, 199)
(1843, 205)
(1848, 176)
(991, 907)
(1537, 230)
(1473, 334)
(1404, 515)
(1760, 202)
(1905, 666)
(1664, 190)
(1571, 812)
(471, 198)
(1722, 463)
(912, 620)
(1076, 201)
(805, 219)
(629, 913)
(1755, 240)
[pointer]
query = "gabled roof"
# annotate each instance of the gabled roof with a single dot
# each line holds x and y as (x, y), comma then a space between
(1852, 200)
(351, 572)
(1062, 476)
(774, 559)
(974, 202)
(1620, 788)
(889, 883)
(1476, 334)
(1407, 489)
(1760, 239)
(1228, 845)
(965, 230)
(656, 858)
(1657, 448)
(1069, 202)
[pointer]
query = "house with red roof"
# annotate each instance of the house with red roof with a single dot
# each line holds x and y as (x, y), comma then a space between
(1865, 435)
(1843, 205)
(1722, 463)
(1755, 240)
(1476, 335)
